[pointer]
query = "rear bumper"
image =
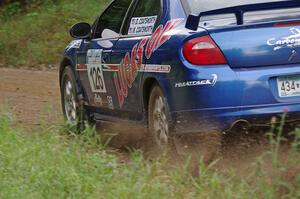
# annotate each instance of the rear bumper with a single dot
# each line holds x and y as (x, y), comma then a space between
(209, 120)
(247, 94)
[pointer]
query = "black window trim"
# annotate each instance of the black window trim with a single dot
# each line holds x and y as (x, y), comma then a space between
(132, 8)
(187, 9)
(104, 10)
(142, 34)
(98, 18)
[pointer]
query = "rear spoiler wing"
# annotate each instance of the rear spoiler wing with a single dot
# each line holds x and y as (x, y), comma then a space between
(193, 20)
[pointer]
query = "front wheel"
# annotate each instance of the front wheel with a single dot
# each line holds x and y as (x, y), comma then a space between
(73, 109)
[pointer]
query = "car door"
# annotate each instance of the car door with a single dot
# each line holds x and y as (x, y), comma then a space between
(128, 56)
(92, 61)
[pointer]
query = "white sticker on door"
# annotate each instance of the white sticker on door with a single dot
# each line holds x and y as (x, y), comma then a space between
(142, 25)
(95, 73)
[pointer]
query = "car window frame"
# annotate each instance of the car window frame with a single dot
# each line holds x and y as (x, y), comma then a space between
(95, 24)
(187, 9)
(123, 28)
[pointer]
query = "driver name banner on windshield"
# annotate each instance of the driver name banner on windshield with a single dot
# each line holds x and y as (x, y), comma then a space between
(142, 25)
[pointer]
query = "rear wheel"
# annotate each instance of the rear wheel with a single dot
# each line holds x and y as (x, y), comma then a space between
(158, 120)
(205, 145)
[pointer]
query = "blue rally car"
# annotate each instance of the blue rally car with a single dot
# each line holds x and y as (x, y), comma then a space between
(185, 66)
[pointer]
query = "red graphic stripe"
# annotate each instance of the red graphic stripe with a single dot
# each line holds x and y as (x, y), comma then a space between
(111, 67)
(81, 67)
(127, 72)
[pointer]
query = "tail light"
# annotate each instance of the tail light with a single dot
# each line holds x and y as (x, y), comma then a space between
(203, 51)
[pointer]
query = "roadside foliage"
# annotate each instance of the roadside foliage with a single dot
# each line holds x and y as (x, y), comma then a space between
(35, 32)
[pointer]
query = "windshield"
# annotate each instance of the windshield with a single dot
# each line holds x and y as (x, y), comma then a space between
(197, 6)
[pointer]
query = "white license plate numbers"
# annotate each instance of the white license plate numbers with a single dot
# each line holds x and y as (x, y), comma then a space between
(288, 86)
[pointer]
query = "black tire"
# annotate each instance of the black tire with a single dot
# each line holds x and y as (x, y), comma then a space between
(75, 114)
(159, 123)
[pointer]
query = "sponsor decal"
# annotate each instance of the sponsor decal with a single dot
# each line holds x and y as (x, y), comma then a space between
(153, 68)
(132, 61)
(81, 67)
(95, 73)
(98, 99)
(142, 25)
(159, 37)
(110, 102)
(74, 44)
(293, 55)
(149, 68)
(126, 72)
(107, 101)
(290, 41)
(202, 82)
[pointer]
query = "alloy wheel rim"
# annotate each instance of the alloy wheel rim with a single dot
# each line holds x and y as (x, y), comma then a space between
(160, 122)
(69, 102)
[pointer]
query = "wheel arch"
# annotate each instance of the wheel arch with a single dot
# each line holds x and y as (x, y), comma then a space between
(148, 84)
(66, 61)
(63, 64)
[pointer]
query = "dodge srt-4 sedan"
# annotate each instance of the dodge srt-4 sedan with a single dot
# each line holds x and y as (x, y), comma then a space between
(185, 66)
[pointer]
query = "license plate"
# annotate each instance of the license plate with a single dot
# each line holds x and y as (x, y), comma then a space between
(288, 86)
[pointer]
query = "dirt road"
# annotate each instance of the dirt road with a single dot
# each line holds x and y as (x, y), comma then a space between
(31, 97)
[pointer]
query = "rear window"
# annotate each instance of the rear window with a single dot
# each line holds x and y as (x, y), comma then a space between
(197, 6)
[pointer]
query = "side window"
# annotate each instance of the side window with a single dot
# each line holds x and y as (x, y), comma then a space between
(113, 17)
(144, 18)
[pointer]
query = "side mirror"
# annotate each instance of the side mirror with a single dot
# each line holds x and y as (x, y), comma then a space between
(81, 31)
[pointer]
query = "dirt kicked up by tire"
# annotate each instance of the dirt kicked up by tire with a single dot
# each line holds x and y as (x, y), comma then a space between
(162, 141)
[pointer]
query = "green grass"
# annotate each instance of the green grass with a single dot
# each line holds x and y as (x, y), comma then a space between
(39, 34)
(54, 164)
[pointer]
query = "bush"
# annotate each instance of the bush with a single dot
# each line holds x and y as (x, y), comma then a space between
(14, 7)
(37, 34)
